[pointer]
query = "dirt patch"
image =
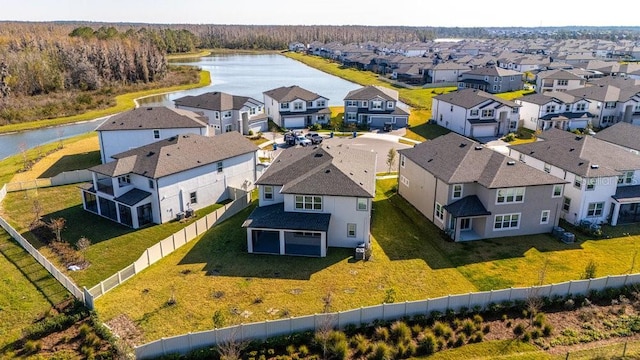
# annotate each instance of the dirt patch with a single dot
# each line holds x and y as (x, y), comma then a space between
(126, 330)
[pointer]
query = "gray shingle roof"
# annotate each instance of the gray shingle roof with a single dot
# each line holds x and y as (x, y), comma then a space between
(323, 170)
(456, 159)
(466, 207)
(217, 101)
(370, 92)
(559, 74)
(582, 155)
(274, 217)
(623, 134)
(159, 117)
(290, 93)
(133, 197)
(628, 194)
(468, 98)
(492, 71)
(176, 154)
(556, 96)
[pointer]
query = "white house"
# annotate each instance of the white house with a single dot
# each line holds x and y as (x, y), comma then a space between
(312, 198)
(158, 182)
(624, 135)
(558, 80)
(374, 106)
(554, 109)
(475, 113)
(226, 112)
(613, 101)
(603, 178)
(144, 125)
(294, 107)
(446, 72)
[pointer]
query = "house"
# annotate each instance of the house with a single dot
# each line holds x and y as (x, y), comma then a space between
(293, 107)
(558, 80)
(491, 79)
(475, 113)
(161, 181)
(226, 112)
(603, 178)
(447, 72)
(145, 125)
(554, 109)
(374, 106)
(472, 192)
(623, 134)
(312, 198)
(611, 103)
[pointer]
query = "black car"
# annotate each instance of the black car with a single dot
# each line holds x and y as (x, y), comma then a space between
(314, 137)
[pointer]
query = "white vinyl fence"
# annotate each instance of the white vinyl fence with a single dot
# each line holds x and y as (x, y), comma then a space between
(170, 244)
(67, 177)
(365, 315)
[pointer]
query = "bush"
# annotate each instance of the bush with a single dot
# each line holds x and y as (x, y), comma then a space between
(360, 344)
(439, 328)
(518, 329)
(461, 340)
(427, 345)
(509, 137)
(400, 332)
(32, 347)
(337, 345)
(468, 327)
(526, 337)
(477, 319)
(477, 337)
(381, 333)
(538, 321)
(380, 351)
(547, 330)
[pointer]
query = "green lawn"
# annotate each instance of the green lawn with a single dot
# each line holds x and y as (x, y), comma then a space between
(113, 246)
(27, 291)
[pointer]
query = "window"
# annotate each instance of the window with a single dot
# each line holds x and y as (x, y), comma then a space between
(495, 87)
(473, 112)
(363, 204)
(563, 82)
(351, 116)
(451, 108)
(193, 198)
(487, 113)
(522, 158)
(581, 107)
(365, 104)
(496, 79)
(610, 105)
(350, 103)
(595, 209)
(626, 178)
(217, 115)
(376, 105)
(284, 106)
(389, 104)
(544, 217)
(506, 222)
(557, 190)
(320, 103)
(547, 168)
(607, 119)
(457, 191)
(297, 106)
(307, 202)
(591, 183)
(566, 204)
(151, 184)
(124, 180)
(567, 107)
(227, 114)
(550, 108)
(577, 182)
(404, 180)
(267, 192)
(439, 212)
(351, 230)
(402, 159)
(510, 196)
(309, 104)
(515, 110)
(220, 166)
(512, 79)
(156, 134)
(228, 128)
(252, 111)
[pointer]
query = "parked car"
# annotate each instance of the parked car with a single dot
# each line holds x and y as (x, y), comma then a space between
(314, 137)
(302, 141)
(387, 127)
(290, 138)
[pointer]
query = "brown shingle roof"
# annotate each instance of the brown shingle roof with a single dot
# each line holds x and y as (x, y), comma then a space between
(323, 170)
(159, 117)
(176, 154)
(468, 98)
(370, 92)
(623, 134)
(290, 93)
(217, 101)
(456, 159)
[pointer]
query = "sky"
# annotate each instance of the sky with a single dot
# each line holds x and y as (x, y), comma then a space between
(447, 13)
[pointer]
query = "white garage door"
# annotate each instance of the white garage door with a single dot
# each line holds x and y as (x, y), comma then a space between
(294, 123)
(484, 130)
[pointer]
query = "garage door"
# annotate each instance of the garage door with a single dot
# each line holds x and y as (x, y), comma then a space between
(378, 121)
(294, 123)
(260, 126)
(485, 130)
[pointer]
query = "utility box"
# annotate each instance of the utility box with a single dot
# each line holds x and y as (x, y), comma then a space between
(361, 251)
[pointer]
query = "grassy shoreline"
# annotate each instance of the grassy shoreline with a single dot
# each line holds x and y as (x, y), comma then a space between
(124, 102)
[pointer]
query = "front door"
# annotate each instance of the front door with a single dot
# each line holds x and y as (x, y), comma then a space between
(307, 121)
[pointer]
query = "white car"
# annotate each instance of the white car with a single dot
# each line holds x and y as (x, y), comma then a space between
(302, 141)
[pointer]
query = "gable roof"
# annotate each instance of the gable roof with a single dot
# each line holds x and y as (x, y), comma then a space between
(582, 155)
(623, 134)
(158, 117)
(290, 93)
(456, 159)
(560, 74)
(370, 92)
(323, 170)
(468, 98)
(176, 154)
(560, 97)
(217, 101)
(492, 71)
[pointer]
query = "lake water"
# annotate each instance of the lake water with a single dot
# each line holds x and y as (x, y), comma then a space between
(245, 75)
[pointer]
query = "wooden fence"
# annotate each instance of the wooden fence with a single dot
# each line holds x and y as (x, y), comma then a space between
(365, 315)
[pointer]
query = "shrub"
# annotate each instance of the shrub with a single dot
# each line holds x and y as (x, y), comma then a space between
(547, 330)
(84, 330)
(416, 329)
(303, 350)
(509, 137)
(380, 351)
(400, 332)
(461, 340)
(32, 347)
(381, 333)
(360, 343)
(518, 329)
(439, 328)
(477, 337)
(526, 337)
(338, 347)
(477, 319)
(427, 345)
(468, 327)
(536, 333)
(538, 321)
(486, 329)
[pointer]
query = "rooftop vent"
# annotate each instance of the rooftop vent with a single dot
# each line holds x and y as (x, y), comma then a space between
(150, 153)
(595, 166)
(463, 145)
(318, 155)
(327, 171)
(149, 108)
(511, 162)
